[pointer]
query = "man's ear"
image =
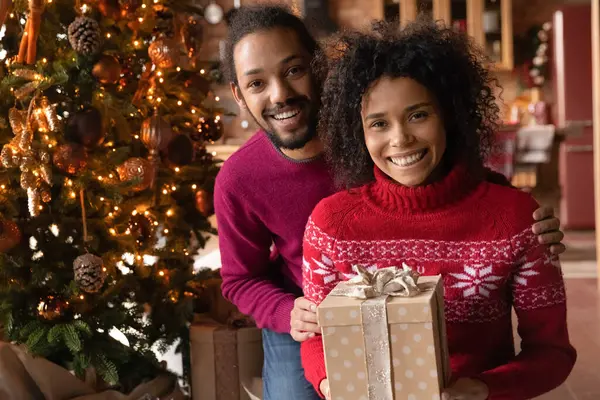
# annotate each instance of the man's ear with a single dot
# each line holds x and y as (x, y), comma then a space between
(237, 95)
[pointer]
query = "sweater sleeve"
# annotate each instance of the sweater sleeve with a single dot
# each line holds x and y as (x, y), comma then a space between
(245, 243)
(319, 277)
(547, 357)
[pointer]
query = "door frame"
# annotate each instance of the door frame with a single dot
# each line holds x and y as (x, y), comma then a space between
(596, 118)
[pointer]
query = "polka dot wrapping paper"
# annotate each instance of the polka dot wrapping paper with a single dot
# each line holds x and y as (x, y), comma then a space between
(418, 354)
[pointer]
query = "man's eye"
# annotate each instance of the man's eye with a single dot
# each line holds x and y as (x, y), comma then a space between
(254, 84)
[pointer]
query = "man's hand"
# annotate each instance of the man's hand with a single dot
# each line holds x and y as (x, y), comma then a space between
(466, 389)
(303, 321)
(547, 228)
(324, 387)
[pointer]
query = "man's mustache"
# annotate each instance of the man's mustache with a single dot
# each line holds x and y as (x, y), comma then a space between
(291, 102)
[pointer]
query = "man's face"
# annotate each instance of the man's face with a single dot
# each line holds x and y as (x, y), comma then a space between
(276, 86)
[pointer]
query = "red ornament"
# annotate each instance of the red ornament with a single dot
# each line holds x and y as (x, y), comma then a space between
(204, 203)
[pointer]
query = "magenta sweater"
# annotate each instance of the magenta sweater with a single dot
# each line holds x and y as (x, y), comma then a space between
(262, 201)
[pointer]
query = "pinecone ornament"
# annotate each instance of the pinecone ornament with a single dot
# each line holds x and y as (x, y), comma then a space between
(89, 272)
(85, 36)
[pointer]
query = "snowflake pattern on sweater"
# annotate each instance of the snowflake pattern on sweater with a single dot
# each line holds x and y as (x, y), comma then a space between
(472, 295)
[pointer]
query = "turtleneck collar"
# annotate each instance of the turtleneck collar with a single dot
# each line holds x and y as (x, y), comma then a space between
(387, 194)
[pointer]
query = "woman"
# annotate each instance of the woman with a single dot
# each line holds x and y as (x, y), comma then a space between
(407, 120)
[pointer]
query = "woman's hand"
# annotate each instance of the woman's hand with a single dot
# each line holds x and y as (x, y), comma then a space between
(324, 387)
(466, 389)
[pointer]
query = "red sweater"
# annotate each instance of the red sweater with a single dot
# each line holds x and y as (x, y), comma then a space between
(477, 235)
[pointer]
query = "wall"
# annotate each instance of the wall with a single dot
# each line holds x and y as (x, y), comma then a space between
(356, 14)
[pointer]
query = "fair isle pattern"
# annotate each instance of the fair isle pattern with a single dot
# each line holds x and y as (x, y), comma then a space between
(477, 292)
(539, 297)
(371, 251)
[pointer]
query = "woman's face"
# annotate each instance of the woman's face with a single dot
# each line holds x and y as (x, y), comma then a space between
(404, 131)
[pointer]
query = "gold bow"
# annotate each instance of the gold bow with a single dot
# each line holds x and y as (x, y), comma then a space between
(390, 281)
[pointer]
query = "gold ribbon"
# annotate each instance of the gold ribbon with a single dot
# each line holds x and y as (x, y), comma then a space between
(375, 288)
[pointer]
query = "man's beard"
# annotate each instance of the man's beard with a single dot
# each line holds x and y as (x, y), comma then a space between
(295, 142)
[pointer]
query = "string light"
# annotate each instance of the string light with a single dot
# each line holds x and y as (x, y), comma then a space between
(143, 5)
(108, 35)
(177, 169)
(3, 187)
(194, 186)
(161, 80)
(82, 297)
(173, 188)
(101, 198)
(159, 99)
(166, 231)
(179, 103)
(193, 111)
(112, 231)
(146, 213)
(170, 213)
(73, 195)
(161, 273)
(84, 8)
(155, 223)
(217, 98)
(44, 60)
(116, 208)
(202, 71)
(134, 213)
(136, 43)
(159, 73)
(137, 136)
(141, 19)
(165, 191)
(178, 69)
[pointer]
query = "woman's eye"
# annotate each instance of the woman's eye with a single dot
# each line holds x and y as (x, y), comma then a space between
(418, 115)
(378, 124)
(294, 70)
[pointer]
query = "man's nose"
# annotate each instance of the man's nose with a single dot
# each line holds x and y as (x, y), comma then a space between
(280, 92)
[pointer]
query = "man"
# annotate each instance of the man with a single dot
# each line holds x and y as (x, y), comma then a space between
(266, 191)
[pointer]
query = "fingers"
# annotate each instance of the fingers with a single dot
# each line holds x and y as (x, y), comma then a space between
(547, 225)
(543, 213)
(558, 249)
(551, 238)
(304, 304)
(304, 326)
(301, 336)
(304, 316)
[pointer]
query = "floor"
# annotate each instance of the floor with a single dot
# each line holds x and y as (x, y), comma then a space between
(584, 328)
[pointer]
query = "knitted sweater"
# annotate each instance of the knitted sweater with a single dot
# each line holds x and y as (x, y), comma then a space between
(477, 235)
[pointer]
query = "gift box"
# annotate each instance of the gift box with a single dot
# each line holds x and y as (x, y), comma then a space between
(384, 336)
(226, 351)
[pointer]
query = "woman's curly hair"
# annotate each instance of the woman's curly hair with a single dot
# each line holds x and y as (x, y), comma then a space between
(447, 63)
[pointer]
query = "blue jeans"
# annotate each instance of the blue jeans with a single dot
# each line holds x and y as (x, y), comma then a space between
(283, 375)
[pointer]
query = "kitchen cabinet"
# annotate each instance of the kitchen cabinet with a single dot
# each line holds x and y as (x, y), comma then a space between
(489, 22)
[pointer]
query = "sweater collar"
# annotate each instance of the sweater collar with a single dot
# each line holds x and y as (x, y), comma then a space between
(391, 196)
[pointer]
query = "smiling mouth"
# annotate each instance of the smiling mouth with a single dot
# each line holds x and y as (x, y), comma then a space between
(286, 115)
(409, 160)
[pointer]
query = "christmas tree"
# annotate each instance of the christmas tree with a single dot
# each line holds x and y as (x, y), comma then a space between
(106, 183)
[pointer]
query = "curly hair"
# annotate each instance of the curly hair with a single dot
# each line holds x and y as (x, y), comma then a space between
(254, 18)
(447, 63)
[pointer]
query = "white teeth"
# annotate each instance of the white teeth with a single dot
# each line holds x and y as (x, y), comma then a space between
(286, 115)
(408, 160)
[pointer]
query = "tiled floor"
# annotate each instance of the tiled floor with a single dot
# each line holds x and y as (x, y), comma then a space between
(584, 329)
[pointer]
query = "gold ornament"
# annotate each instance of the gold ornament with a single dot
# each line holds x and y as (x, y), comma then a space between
(26, 73)
(46, 196)
(139, 170)
(33, 202)
(40, 119)
(26, 90)
(107, 70)
(163, 52)
(10, 235)
(45, 157)
(7, 156)
(50, 113)
(28, 180)
(46, 173)
(156, 134)
(18, 121)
